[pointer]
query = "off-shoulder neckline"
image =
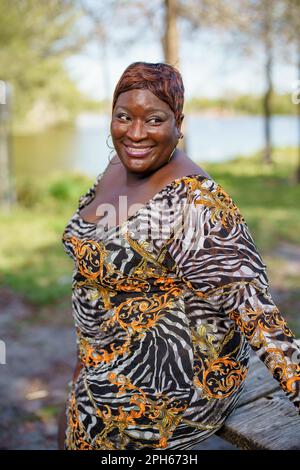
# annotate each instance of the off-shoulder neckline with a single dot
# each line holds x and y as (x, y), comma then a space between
(145, 206)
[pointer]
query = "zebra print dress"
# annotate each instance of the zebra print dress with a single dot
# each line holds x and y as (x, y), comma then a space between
(167, 307)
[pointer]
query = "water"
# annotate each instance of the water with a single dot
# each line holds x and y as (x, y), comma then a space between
(84, 149)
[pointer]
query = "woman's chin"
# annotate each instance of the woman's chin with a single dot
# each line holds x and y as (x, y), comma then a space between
(138, 164)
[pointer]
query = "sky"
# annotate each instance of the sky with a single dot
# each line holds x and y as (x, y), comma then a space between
(208, 69)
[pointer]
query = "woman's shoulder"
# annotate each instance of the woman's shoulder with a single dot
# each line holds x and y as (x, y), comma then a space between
(195, 180)
(206, 197)
(183, 165)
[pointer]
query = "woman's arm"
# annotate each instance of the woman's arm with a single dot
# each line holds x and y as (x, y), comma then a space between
(219, 261)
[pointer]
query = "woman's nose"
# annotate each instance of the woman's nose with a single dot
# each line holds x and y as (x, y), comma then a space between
(136, 130)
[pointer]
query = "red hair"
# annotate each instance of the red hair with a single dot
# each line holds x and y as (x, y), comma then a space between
(163, 80)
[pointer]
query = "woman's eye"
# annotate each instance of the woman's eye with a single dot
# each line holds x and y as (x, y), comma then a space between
(155, 119)
(120, 116)
(124, 117)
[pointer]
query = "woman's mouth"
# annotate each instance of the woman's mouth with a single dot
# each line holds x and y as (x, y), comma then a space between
(137, 151)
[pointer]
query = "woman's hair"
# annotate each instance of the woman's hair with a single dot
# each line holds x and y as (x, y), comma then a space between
(163, 80)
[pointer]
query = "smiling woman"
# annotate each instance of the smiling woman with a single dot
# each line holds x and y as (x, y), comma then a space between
(167, 301)
(146, 122)
(143, 131)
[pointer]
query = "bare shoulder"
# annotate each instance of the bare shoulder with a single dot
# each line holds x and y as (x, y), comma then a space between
(181, 166)
(184, 166)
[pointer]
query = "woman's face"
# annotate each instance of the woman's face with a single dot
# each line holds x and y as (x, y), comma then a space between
(143, 130)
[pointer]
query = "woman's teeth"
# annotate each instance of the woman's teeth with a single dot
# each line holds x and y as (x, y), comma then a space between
(138, 151)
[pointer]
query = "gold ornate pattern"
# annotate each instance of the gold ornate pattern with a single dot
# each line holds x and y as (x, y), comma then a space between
(260, 327)
(135, 316)
(256, 323)
(162, 414)
(217, 376)
(91, 355)
(165, 331)
(76, 436)
(141, 313)
(217, 200)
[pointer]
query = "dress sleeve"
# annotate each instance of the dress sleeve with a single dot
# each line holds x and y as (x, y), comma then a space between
(216, 257)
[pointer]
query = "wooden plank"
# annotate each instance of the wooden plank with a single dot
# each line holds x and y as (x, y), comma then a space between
(270, 423)
(264, 417)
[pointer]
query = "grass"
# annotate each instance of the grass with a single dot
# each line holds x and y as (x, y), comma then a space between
(32, 259)
(267, 196)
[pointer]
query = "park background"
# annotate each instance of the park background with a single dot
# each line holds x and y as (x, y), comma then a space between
(59, 63)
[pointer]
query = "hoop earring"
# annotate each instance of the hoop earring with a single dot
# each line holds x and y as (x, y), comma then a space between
(172, 153)
(112, 148)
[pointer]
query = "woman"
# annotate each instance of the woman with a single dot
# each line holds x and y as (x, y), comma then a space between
(169, 291)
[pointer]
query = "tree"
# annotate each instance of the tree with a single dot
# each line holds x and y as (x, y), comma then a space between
(251, 27)
(7, 190)
(35, 37)
(156, 17)
(289, 34)
(170, 39)
(100, 17)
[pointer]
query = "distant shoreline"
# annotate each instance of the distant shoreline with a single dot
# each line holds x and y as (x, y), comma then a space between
(209, 112)
(223, 113)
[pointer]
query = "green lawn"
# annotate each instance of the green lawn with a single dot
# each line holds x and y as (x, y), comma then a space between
(32, 259)
(267, 196)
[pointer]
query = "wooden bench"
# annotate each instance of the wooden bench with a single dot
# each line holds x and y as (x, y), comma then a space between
(264, 418)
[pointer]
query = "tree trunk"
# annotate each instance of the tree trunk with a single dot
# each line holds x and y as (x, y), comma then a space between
(171, 37)
(268, 41)
(298, 104)
(171, 47)
(7, 191)
(267, 155)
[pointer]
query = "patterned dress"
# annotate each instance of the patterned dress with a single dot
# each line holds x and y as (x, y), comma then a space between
(167, 307)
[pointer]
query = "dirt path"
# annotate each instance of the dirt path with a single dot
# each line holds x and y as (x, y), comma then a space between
(40, 352)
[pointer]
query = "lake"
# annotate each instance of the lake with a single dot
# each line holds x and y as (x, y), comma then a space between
(83, 148)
